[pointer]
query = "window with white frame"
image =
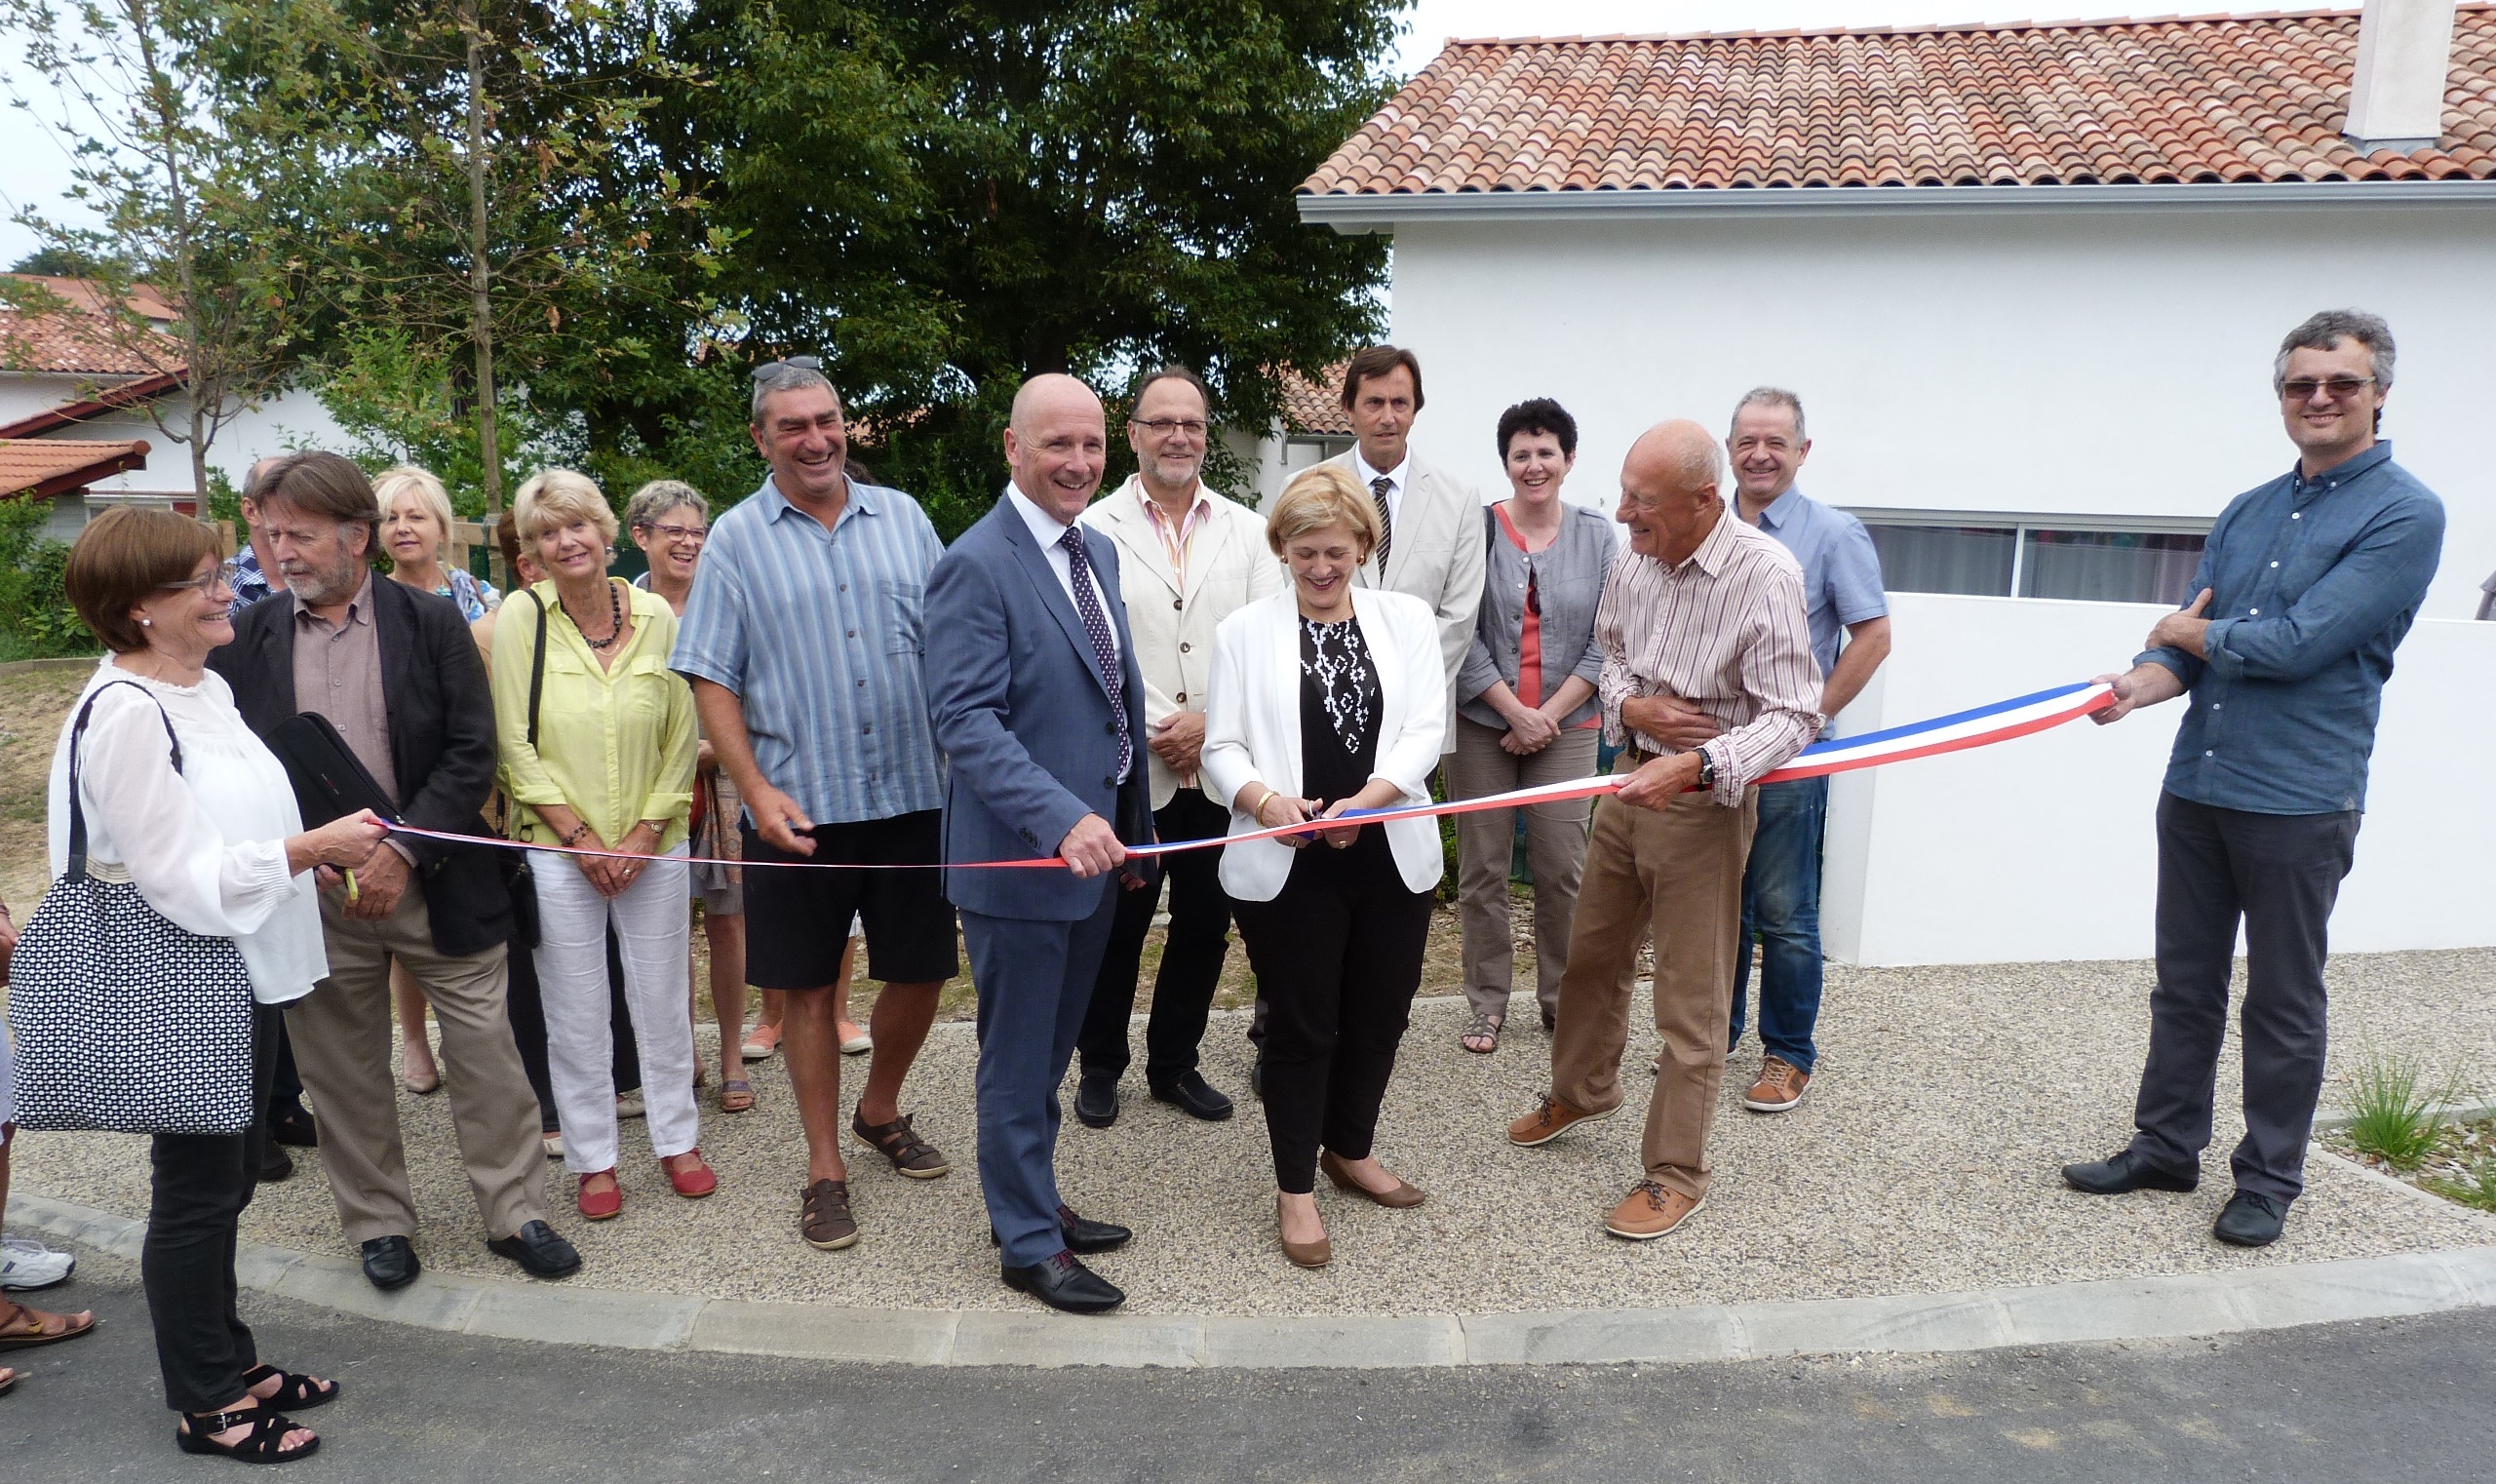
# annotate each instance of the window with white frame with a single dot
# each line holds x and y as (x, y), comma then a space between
(2099, 559)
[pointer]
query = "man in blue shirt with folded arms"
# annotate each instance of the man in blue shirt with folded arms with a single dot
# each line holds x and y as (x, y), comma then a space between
(2305, 589)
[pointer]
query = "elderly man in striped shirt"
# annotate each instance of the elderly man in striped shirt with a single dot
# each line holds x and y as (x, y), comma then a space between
(1704, 611)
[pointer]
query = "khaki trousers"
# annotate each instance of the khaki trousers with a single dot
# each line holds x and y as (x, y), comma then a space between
(1677, 872)
(341, 1034)
(1556, 850)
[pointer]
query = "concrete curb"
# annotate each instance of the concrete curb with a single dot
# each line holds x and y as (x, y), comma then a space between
(2171, 1307)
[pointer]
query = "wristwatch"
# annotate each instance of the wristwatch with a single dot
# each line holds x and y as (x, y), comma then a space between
(1707, 770)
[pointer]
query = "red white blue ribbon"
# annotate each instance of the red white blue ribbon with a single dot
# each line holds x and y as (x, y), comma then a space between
(2001, 721)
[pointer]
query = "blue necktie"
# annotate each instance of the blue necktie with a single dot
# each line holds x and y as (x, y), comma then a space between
(1096, 625)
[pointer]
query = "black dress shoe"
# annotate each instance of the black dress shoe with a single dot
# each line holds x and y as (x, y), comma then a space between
(1084, 1237)
(390, 1261)
(1257, 1077)
(276, 1163)
(2124, 1174)
(1095, 1100)
(1063, 1283)
(1194, 1096)
(539, 1251)
(292, 1124)
(2251, 1221)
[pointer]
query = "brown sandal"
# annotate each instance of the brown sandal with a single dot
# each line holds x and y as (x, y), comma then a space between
(1483, 1028)
(736, 1096)
(21, 1327)
(900, 1142)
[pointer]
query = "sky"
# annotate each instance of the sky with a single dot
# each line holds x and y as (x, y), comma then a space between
(38, 168)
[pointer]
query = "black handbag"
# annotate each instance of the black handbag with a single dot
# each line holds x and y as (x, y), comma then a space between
(517, 878)
(124, 1021)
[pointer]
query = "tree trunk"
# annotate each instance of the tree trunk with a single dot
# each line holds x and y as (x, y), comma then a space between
(481, 308)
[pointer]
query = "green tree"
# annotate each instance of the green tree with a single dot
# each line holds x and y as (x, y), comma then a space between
(175, 213)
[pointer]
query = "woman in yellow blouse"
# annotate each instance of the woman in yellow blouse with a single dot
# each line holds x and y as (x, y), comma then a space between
(605, 763)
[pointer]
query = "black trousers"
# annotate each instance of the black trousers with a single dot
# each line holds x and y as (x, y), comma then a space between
(527, 1008)
(1191, 955)
(2279, 875)
(1337, 955)
(186, 1266)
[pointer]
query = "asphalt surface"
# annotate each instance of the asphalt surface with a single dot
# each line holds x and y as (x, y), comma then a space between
(2413, 1399)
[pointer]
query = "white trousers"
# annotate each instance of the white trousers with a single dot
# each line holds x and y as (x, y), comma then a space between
(650, 925)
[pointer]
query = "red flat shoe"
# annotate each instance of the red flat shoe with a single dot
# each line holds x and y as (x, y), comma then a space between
(602, 1205)
(692, 1177)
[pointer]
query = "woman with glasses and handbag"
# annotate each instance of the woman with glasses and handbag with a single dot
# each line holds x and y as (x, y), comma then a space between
(598, 750)
(159, 786)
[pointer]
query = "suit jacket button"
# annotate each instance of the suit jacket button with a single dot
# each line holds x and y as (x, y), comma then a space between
(1109, 782)
(1183, 648)
(1111, 727)
(1182, 695)
(1179, 603)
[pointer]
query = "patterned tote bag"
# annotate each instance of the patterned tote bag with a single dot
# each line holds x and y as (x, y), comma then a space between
(125, 1022)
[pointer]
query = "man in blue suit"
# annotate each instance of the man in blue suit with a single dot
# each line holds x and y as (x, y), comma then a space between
(1037, 702)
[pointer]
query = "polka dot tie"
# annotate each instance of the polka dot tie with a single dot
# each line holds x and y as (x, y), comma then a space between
(1385, 518)
(1096, 624)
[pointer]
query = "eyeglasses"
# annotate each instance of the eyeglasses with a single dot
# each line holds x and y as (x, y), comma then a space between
(1163, 427)
(2341, 388)
(770, 369)
(227, 573)
(696, 533)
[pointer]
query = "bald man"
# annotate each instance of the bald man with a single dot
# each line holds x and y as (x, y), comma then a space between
(1702, 611)
(1039, 704)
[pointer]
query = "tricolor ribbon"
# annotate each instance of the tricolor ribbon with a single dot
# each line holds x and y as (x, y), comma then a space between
(2002, 722)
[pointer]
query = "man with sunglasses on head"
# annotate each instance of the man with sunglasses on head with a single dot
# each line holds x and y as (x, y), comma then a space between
(2306, 587)
(804, 642)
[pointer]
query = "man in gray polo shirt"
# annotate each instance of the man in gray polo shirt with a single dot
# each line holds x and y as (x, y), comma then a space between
(1850, 639)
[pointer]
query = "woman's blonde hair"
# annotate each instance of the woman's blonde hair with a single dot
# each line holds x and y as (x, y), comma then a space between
(1319, 496)
(556, 498)
(408, 478)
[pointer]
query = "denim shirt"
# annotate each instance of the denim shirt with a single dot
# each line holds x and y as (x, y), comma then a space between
(2312, 584)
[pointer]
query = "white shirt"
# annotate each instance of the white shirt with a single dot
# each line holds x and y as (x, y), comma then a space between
(205, 845)
(1050, 530)
(1394, 480)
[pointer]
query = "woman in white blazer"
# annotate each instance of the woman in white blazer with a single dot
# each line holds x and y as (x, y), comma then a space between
(1327, 698)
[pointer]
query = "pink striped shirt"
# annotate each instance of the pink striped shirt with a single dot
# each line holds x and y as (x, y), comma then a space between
(1725, 631)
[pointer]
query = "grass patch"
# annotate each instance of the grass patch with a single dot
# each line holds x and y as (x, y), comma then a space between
(2396, 1117)
(2474, 1187)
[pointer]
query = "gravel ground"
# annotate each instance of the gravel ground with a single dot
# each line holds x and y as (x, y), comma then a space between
(1925, 1159)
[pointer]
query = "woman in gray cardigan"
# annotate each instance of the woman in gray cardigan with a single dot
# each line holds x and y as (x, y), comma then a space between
(1527, 711)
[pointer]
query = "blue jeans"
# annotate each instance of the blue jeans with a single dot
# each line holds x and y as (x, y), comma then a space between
(1781, 907)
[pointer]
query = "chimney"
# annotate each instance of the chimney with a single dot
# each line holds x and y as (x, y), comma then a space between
(2404, 51)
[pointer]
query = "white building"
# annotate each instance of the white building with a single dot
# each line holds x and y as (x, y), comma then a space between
(78, 415)
(2028, 281)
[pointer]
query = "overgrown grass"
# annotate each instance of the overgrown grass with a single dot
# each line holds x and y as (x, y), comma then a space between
(2396, 1117)
(2474, 1186)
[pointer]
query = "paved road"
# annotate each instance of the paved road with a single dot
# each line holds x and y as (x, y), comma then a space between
(2413, 1399)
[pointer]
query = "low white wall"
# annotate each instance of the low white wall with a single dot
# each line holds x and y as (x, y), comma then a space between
(2044, 848)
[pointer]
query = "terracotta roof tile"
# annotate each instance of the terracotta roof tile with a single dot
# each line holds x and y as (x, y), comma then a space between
(43, 465)
(2159, 100)
(76, 339)
(1317, 407)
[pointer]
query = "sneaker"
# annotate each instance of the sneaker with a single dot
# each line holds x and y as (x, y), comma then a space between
(853, 1041)
(1549, 1121)
(27, 1265)
(553, 1139)
(1650, 1211)
(1779, 1086)
(760, 1042)
(630, 1105)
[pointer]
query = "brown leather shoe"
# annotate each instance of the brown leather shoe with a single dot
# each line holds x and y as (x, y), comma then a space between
(1551, 1120)
(1403, 1198)
(1779, 1086)
(824, 1221)
(1316, 1253)
(1650, 1211)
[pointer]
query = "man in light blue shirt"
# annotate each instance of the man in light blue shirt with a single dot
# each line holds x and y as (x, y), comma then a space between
(1850, 618)
(802, 640)
(2306, 587)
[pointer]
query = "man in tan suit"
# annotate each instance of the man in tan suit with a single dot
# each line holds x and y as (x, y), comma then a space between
(1430, 521)
(1187, 558)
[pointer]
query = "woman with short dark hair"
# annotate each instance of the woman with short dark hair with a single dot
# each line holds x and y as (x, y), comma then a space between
(1526, 711)
(176, 792)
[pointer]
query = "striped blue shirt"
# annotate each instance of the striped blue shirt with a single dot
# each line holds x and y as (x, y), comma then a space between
(819, 632)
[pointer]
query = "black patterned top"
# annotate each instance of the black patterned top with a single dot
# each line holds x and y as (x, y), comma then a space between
(1340, 705)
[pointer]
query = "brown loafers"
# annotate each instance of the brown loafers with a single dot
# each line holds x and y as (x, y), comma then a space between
(1403, 1198)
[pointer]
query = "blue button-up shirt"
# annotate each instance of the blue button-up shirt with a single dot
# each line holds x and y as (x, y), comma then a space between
(1841, 568)
(2313, 583)
(819, 632)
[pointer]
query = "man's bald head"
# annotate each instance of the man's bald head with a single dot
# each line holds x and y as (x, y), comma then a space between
(1057, 441)
(1668, 490)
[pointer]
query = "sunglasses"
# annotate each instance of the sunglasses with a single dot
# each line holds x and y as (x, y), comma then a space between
(770, 369)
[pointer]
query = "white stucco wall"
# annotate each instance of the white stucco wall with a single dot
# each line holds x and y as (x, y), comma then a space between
(293, 420)
(2104, 362)
(2045, 849)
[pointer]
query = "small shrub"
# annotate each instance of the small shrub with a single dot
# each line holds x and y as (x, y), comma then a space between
(2394, 1118)
(36, 619)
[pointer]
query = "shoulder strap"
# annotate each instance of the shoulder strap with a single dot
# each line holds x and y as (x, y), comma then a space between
(77, 733)
(536, 664)
(1490, 528)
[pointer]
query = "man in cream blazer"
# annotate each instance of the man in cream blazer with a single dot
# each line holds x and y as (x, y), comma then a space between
(1432, 547)
(1187, 558)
